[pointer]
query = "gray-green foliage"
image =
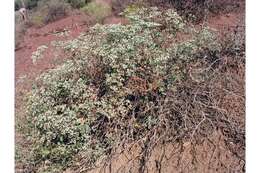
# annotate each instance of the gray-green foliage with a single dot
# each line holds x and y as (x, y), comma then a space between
(114, 69)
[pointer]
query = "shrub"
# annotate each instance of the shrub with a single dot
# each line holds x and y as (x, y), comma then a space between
(17, 4)
(31, 4)
(20, 30)
(49, 11)
(77, 3)
(37, 20)
(196, 10)
(122, 83)
(57, 9)
(234, 41)
(120, 5)
(98, 10)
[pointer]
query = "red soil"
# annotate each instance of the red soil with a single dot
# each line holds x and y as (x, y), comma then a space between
(35, 37)
(227, 22)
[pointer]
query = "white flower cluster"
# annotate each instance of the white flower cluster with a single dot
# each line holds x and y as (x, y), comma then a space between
(38, 54)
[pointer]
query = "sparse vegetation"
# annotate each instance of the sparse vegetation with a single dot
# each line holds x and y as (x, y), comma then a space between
(20, 29)
(32, 4)
(120, 5)
(77, 3)
(37, 20)
(49, 11)
(46, 11)
(57, 9)
(98, 10)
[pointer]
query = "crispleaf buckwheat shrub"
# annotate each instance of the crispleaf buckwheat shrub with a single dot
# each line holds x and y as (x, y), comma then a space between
(115, 88)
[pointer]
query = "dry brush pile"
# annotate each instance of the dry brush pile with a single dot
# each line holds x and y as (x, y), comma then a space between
(155, 80)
